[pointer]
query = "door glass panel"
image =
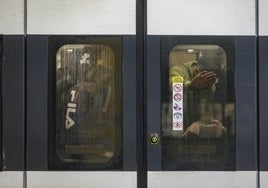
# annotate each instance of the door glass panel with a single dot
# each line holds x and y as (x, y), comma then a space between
(198, 109)
(88, 123)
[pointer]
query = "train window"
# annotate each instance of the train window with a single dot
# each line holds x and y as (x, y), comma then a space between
(88, 122)
(198, 109)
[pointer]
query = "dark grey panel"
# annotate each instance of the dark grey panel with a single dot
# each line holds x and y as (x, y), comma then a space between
(129, 103)
(13, 102)
(153, 99)
(263, 101)
(246, 103)
(37, 101)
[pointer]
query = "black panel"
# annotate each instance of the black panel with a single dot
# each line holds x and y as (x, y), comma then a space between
(246, 103)
(37, 101)
(129, 103)
(242, 50)
(141, 86)
(263, 101)
(13, 102)
(153, 100)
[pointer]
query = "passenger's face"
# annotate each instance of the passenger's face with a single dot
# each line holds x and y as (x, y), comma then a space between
(197, 70)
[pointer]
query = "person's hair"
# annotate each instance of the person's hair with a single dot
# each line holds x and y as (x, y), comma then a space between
(86, 49)
(211, 62)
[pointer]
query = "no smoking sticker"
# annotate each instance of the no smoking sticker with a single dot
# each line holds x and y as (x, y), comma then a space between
(178, 97)
(177, 87)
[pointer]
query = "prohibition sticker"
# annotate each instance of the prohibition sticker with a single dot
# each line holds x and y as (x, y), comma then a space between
(177, 87)
(177, 107)
(177, 115)
(177, 97)
(177, 125)
(177, 103)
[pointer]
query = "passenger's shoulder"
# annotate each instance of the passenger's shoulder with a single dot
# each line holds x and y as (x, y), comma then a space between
(186, 65)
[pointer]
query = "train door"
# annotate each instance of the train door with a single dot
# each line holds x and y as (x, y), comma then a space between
(201, 94)
(12, 93)
(263, 58)
(81, 62)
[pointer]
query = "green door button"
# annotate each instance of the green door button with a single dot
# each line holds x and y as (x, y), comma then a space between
(154, 139)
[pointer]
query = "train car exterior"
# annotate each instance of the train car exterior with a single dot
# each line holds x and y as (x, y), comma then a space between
(133, 93)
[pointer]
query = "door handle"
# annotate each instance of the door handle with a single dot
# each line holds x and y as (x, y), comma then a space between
(154, 139)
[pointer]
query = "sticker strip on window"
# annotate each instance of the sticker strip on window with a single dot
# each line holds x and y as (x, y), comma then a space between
(177, 104)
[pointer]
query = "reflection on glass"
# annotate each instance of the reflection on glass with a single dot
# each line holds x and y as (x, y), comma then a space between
(197, 118)
(87, 105)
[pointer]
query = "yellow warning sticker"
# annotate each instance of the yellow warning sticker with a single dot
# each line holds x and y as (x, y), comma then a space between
(178, 79)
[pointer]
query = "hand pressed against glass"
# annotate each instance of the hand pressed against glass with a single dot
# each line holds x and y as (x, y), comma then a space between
(203, 80)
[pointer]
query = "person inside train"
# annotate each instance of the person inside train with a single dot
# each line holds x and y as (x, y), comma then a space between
(199, 87)
(88, 108)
